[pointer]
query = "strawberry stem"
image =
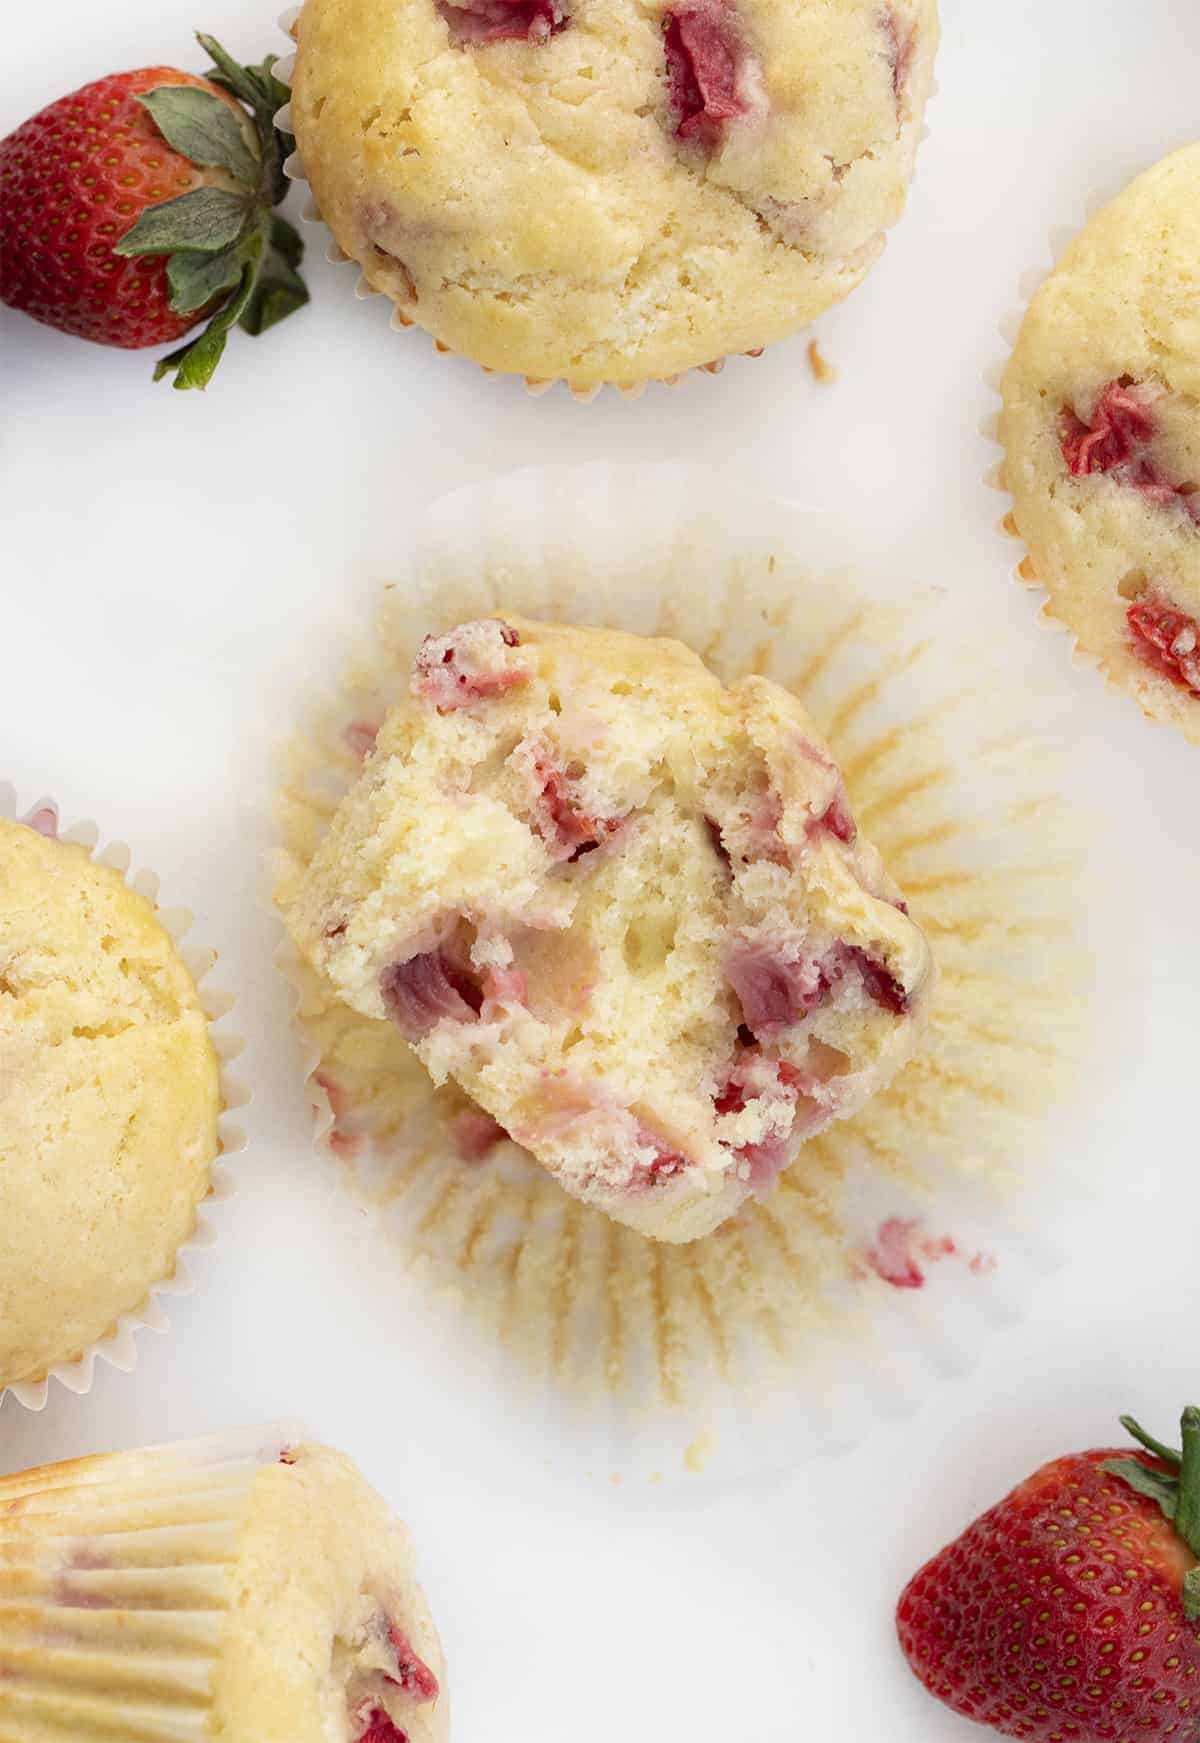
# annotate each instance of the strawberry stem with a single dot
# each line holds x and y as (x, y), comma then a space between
(1176, 1492)
(1167, 1453)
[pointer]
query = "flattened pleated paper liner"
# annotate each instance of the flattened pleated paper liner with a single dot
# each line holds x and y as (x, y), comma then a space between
(788, 1328)
(116, 1576)
(1023, 569)
(400, 322)
(118, 1347)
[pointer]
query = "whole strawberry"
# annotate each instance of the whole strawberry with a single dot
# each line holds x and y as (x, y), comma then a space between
(140, 205)
(1071, 1612)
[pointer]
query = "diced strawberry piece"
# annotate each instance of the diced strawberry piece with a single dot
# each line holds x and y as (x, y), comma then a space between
(775, 991)
(506, 986)
(427, 988)
(568, 830)
(1121, 422)
(1166, 640)
(413, 1674)
(878, 979)
(494, 20)
(467, 666)
(703, 53)
(380, 1729)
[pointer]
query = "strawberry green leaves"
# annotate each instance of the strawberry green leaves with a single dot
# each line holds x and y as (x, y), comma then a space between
(222, 242)
(1176, 1490)
(206, 130)
(206, 220)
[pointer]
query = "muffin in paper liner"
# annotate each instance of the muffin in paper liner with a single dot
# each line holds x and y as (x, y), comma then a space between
(1024, 570)
(117, 1346)
(787, 1329)
(535, 386)
(142, 1595)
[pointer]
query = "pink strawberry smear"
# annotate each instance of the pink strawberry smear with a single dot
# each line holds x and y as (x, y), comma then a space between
(379, 1728)
(1166, 640)
(476, 1134)
(495, 20)
(469, 665)
(413, 1674)
(1116, 441)
(837, 818)
(343, 1140)
(704, 57)
(901, 34)
(43, 821)
(902, 1253)
(359, 738)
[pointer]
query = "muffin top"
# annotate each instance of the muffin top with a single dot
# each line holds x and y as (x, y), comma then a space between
(627, 909)
(1101, 431)
(604, 191)
(109, 1099)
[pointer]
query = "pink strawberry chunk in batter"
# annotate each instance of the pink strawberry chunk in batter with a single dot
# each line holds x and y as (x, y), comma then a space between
(566, 827)
(496, 20)
(704, 56)
(379, 1728)
(427, 988)
(1166, 640)
(413, 1674)
(777, 989)
(1117, 441)
(452, 671)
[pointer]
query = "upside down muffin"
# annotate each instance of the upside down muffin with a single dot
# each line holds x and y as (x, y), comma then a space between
(604, 191)
(1101, 431)
(627, 909)
(247, 1590)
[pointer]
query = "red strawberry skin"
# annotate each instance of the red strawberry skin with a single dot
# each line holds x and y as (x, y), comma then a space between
(73, 179)
(1058, 1616)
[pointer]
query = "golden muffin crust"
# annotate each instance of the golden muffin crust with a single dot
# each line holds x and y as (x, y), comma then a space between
(1101, 432)
(606, 190)
(109, 1099)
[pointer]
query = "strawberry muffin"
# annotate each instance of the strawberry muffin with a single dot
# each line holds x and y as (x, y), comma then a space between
(1101, 432)
(627, 909)
(242, 1588)
(602, 191)
(109, 1101)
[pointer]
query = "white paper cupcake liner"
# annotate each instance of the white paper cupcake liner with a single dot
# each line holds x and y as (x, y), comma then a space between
(114, 1579)
(535, 386)
(778, 1335)
(1023, 569)
(118, 1347)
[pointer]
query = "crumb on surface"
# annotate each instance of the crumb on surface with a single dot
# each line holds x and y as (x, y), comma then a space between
(823, 371)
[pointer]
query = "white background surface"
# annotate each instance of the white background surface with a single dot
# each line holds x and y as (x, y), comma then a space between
(173, 568)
